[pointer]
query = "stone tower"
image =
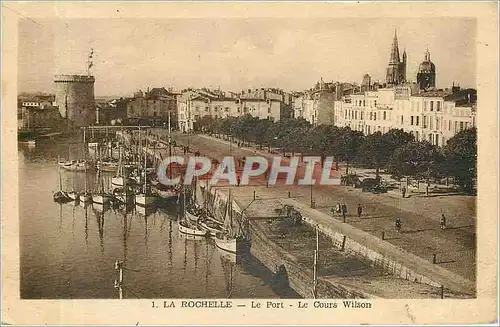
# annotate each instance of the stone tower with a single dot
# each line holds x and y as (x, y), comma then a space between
(396, 70)
(426, 76)
(75, 99)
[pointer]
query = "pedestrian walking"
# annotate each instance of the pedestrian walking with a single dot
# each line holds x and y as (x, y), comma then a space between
(399, 224)
(403, 190)
(238, 179)
(360, 210)
(443, 221)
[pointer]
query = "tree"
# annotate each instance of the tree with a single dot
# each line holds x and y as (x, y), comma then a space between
(374, 152)
(461, 158)
(348, 145)
(416, 159)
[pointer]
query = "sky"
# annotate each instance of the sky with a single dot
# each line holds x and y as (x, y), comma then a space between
(236, 54)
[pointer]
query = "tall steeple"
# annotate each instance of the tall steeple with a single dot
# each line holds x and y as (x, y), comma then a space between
(394, 50)
(396, 70)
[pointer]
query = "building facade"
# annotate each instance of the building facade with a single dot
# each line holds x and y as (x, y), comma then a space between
(195, 104)
(434, 116)
(152, 107)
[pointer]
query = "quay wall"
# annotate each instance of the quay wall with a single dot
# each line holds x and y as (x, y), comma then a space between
(383, 254)
(300, 277)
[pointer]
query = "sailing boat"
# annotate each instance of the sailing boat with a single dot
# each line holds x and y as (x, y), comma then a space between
(60, 196)
(229, 240)
(118, 180)
(100, 197)
(168, 192)
(187, 227)
(73, 195)
(86, 196)
(145, 198)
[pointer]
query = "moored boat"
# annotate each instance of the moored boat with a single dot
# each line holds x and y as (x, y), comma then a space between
(212, 227)
(101, 198)
(61, 196)
(223, 242)
(191, 229)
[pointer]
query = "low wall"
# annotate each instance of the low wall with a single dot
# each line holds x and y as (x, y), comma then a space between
(383, 254)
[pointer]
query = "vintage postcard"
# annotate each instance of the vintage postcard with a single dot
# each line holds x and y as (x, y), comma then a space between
(249, 163)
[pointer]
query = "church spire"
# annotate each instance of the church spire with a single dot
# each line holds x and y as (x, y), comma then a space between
(394, 50)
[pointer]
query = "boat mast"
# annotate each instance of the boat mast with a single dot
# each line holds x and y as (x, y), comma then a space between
(169, 145)
(85, 159)
(145, 165)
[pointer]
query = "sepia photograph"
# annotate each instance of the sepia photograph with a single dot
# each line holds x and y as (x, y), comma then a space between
(246, 162)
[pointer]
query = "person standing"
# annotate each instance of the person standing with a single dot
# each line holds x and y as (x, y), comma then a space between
(344, 211)
(443, 221)
(360, 210)
(403, 191)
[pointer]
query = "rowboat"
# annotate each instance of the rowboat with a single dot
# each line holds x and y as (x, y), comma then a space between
(191, 229)
(85, 197)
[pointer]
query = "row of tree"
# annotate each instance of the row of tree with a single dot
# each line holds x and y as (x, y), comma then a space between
(395, 151)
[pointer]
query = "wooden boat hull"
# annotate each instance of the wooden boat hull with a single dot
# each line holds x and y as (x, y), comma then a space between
(192, 218)
(101, 198)
(117, 181)
(169, 194)
(61, 196)
(211, 229)
(185, 228)
(144, 200)
(73, 195)
(226, 244)
(85, 197)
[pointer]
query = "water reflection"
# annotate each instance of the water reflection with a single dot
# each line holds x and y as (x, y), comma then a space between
(64, 255)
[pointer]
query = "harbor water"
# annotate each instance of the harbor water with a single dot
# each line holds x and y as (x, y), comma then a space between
(68, 251)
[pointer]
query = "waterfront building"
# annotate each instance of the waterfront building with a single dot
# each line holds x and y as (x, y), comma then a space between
(434, 116)
(152, 107)
(195, 104)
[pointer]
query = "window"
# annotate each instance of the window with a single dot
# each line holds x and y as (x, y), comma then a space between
(432, 105)
(364, 103)
(401, 119)
(449, 125)
(411, 120)
(371, 115)
(425, 121)
(361, 114)
(456, 125)
(425, 105)
(356, 115)
(269, 110)
(345, 114)
(461, 125)
(438, 105)
(418, 118)
(431, 123)
(374, 116)
(375, 102)
(385, 115)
